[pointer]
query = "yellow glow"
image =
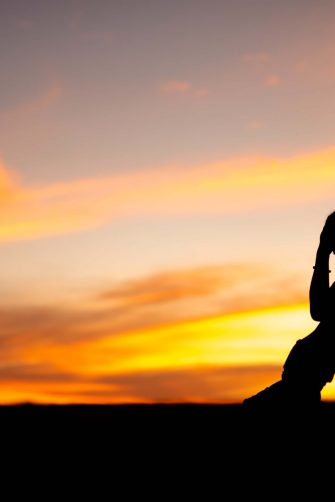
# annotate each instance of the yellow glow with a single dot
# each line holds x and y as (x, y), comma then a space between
(248, 339)
(263, 336)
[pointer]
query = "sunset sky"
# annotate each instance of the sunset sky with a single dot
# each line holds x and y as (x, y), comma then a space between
(166, 168)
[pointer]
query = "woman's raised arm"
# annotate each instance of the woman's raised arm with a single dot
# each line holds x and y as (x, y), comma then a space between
(319, 288)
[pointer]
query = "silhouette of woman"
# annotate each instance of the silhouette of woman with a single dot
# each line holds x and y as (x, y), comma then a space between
(311, 362)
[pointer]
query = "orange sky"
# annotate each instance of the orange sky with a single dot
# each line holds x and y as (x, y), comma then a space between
(233, 185)
(165, 173)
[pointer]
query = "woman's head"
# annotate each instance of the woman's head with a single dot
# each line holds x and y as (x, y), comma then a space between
(327, 237)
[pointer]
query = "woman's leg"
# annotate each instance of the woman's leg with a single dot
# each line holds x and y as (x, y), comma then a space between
(308, 367)
(306, 371)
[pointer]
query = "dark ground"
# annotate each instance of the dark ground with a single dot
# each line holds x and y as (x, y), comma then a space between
(193, 446)
(122, 425)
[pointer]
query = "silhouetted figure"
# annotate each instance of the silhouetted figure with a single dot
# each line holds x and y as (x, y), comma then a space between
(311, 362)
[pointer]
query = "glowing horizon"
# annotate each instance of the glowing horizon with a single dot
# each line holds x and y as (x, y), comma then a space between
(236, 343)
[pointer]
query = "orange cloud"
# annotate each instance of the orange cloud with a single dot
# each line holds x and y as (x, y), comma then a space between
(255, 125)
(191, 293)
(178, 284)
(218, 358)
(200, 384)
(235, 185)
(272, 81)
(200, 93)
(175, 86)
(163, 298)
(199, 323)
(183, 87)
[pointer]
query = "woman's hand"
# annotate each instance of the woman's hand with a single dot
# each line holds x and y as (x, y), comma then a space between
(327, 236)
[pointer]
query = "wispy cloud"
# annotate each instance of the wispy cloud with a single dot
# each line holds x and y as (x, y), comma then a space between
(120, 367)
(235, 185)
(314, 66)
(200, 93)
(174, 285)
(37, 104)
(183, 87)
(166, 297)
(255, 125)
(162, 299)
(200, 384)
(224, 288)
(175, 86)
(272, 81)
(195, 323)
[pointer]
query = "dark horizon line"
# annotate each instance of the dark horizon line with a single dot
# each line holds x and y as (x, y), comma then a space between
(132, 404)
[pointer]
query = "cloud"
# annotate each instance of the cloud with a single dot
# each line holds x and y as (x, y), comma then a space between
(314, 66)
(175, 86)
(197, 384)
(200, 93)
(38, 104)
(163, 298)
(8, 185)
(272, 81)
(255, 125)
(233, 185)
(145, 302)
(183, 87)
(28, 120)
(203, 360)
(302, 66)
(34, 373)
(187, 334)
(184, 294)
(256, 57)
(175, 285)
(202, 384)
